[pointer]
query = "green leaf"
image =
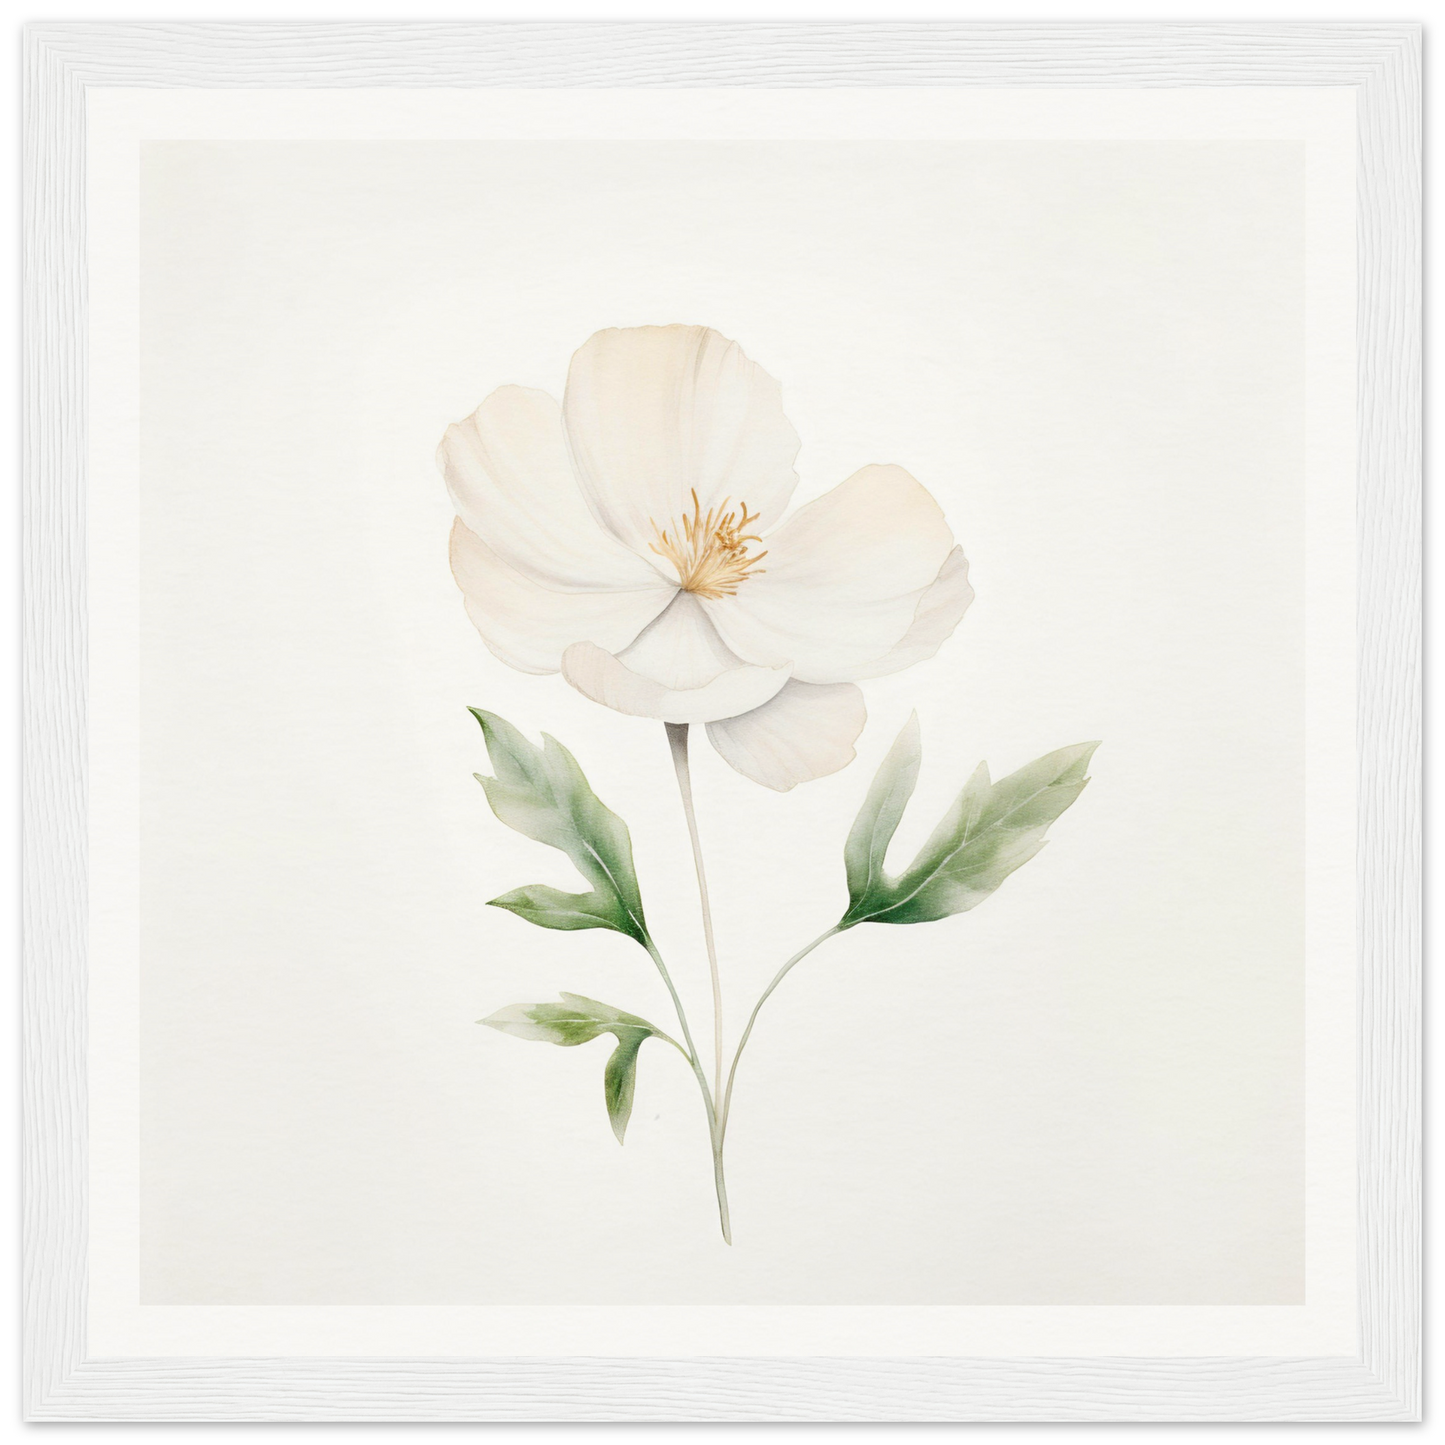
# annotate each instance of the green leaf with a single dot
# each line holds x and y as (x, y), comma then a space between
(578, 1020)
(619, 1079)
(540, 791)
(877, 820)
(552, 908)
(991, 829)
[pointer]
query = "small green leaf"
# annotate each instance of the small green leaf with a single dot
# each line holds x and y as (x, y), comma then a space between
(551, 908)
(877, 820)
(991, 829)
(619, 1079)
(541, 791)
(578, 1020)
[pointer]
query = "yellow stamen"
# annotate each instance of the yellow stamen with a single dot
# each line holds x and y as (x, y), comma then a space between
(710, 552)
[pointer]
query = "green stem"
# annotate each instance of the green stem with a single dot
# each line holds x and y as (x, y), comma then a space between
(781, 974)
(690, 1054)
(656, 957)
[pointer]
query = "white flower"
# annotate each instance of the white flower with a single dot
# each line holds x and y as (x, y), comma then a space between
(629, 539)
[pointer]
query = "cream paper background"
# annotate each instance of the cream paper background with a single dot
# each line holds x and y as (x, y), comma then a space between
(1106, 356)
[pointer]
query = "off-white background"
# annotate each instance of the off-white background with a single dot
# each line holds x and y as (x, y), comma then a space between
(1087, 1092)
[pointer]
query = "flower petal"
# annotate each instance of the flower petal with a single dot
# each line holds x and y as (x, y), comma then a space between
(939, 611)
(681, 648)
(507, 471)
(600, 676)
(529, 626)
(807, 731)
(678, 670)
(842, 581)
(655, 412)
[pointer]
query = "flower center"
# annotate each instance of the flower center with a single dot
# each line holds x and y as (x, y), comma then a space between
(710, 551)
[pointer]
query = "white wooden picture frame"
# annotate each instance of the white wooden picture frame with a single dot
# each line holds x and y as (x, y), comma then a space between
(64, 1379)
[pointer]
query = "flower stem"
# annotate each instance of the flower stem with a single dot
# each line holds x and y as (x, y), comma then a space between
(690, 1054)
(726, 1098)
(677, 741)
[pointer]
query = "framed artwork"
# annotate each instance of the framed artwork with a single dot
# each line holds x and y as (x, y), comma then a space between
(723, 722)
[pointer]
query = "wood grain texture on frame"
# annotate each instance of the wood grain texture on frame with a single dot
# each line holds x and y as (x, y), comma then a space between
(1382, 62)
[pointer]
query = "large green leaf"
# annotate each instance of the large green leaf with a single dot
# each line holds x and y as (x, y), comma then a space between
(540, 791)
(578, 1020)
(991, 829)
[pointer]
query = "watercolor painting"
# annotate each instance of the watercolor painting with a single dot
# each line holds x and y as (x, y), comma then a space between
(635, 538)
(1007, 432)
